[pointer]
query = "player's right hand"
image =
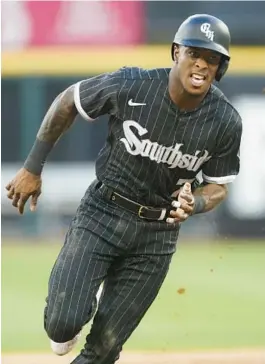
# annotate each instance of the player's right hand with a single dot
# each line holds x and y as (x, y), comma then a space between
(22, 187)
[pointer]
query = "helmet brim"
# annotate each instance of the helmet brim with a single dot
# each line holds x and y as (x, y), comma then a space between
(206, 45)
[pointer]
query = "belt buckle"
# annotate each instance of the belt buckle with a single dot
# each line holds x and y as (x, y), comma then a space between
(141, 208)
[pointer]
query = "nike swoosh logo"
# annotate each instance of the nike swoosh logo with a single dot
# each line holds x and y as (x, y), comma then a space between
(131, 103)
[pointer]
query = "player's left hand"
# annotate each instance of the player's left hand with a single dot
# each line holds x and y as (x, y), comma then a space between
(184, 206)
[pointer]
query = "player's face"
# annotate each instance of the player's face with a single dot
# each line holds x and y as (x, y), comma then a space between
(196, 68)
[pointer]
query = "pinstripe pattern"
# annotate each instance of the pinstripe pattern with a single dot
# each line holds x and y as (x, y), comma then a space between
(214, 127)
(134, 266)
(151, 149)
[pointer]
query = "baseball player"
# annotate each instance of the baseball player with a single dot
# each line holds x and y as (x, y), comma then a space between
(165, 127)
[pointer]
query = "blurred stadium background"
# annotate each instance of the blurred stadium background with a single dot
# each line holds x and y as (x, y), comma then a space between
(214, 297)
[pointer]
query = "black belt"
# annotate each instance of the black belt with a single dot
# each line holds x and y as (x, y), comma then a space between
(144, 212)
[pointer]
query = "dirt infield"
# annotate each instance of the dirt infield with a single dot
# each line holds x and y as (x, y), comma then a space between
(232, 357)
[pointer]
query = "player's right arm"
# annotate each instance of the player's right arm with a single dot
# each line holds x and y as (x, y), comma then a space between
(27, 182)
(90, 98)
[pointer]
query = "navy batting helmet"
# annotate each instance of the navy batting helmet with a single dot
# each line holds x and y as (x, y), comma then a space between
(205, 31)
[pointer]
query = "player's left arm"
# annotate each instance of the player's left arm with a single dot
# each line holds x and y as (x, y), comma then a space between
(217, 172)
(202, 199)
(206, 197)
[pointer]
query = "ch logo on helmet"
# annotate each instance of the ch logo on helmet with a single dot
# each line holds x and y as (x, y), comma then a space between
(205, 28)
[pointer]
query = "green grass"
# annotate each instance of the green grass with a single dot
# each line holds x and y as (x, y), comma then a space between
(223, 305)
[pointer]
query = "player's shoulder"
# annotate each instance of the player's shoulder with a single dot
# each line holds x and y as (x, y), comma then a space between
(138, 73)
(225, 109)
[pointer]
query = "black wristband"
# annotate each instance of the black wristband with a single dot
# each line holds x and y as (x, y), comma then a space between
(199, 205)
(37, 156)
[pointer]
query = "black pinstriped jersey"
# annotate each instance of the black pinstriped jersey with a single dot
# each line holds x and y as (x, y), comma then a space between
(152, 147)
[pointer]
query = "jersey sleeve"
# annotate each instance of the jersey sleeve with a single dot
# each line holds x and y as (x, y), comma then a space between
(97, 95)
(224, 165)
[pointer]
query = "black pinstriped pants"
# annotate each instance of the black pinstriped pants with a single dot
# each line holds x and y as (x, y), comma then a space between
(131, 255)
